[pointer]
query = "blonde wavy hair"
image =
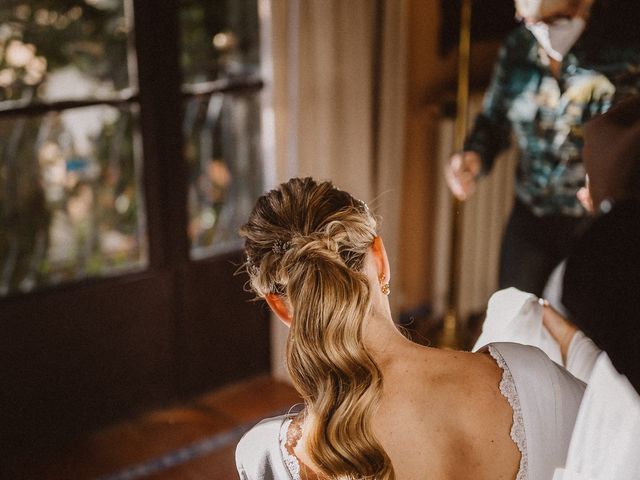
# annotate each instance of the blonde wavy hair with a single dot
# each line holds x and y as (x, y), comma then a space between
(307, 242)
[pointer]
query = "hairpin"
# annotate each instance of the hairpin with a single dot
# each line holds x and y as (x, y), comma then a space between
(363, 205)
(279, 247)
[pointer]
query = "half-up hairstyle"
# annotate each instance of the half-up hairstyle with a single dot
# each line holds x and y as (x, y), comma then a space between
(307, 242)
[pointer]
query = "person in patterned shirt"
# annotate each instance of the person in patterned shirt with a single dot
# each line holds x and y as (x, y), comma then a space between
(567, 62)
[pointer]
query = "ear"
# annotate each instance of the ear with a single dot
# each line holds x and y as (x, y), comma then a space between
(381, 260)
(278, 305)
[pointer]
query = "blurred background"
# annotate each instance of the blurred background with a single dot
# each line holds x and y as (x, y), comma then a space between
(135, 137)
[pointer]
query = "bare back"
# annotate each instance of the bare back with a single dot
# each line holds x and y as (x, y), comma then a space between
(442, 416)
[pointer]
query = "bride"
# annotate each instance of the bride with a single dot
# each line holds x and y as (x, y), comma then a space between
(377, 405)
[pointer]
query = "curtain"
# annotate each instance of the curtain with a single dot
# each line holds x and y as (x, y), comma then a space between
(334, 106)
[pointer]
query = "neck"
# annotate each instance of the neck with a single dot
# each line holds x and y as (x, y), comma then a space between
(384, 341)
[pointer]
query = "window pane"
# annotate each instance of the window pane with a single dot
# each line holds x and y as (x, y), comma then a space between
(222, 146)
(219, 39)
(70, 201)
(62, 50)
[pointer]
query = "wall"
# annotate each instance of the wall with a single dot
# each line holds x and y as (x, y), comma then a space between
(374, 131)
(338, 105)
(431, 81)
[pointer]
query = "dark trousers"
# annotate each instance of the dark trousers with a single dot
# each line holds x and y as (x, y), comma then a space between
(533, 246)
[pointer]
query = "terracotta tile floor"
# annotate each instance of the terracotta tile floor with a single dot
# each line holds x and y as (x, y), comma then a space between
(213, 421)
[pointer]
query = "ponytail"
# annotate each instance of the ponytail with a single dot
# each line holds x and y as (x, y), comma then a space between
(308, 242)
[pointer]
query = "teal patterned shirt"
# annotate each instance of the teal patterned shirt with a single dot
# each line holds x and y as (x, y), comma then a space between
(544, 116)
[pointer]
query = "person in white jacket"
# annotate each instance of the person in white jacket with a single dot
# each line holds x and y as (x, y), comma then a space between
(602, 293)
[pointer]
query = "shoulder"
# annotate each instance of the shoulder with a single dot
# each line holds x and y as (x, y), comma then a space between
(509, 351)
(534, 373)
(522, 359)
(458, 376)
(258, 454)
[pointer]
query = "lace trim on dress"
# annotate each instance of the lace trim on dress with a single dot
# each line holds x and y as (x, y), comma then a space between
(508, 390)
(290, 460)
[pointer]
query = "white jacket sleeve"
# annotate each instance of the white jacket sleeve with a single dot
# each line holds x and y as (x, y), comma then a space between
(581, 356)
(516, 316)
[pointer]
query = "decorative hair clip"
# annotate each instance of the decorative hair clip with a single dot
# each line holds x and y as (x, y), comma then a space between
(363, 205)
(279, 247)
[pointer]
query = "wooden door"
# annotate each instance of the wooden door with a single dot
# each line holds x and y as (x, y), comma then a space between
(79, 354)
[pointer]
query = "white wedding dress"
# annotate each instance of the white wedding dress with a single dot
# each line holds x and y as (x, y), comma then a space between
(605, 444)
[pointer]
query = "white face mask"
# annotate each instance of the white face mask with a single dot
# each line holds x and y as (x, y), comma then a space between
(558, 38)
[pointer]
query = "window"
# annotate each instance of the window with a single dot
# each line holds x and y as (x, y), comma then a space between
(72, 201)
(128, 148)
(220, 63)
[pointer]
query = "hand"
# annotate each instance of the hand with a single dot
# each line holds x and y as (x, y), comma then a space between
(461, 173)
(584, 196)
(560, 328)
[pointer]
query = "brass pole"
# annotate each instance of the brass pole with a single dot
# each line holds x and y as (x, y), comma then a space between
(451, 328)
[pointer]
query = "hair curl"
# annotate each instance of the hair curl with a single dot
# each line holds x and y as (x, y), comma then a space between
(307, 241)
